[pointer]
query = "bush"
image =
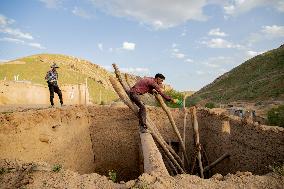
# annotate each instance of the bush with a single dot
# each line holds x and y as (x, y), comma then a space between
(112, 175)
(277, 168)
(174, 94)
(275, 116)
(192, 101)
(210, 105)
(56, 168)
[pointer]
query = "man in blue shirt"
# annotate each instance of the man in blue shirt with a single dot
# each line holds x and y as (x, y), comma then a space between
(51, 79)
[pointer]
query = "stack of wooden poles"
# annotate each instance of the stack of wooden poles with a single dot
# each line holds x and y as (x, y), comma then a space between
(177, 164)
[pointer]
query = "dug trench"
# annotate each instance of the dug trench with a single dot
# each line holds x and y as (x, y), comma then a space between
(104, 139)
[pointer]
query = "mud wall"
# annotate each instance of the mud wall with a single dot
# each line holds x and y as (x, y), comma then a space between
(115, 138)
(252, 147)
(17, 92)
(56, 136)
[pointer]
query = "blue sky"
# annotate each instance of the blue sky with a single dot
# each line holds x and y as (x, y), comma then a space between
(191, 42)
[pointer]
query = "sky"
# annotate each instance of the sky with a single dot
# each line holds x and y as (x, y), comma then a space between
(190, 42)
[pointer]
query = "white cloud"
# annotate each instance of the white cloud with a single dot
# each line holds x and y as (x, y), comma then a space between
(128, 46)
(189, 60)
(274, 30)
(81, 13)
(251, 54)
(100, 46)
(199, 72)
(18, 41)
(217, 32)
(236, 7)
(178, 55)
(16, 32)
(159, 13)
(13, 40)
(176, 50)
(266, 33)
(5, 21)
(110, 49)
(220, 43)
(138, 71)
(51, 3)
(36, 45)
(184, 33)
(219, 61)
(174, 45)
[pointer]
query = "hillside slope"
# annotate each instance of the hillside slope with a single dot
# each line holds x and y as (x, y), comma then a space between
(72, 71)
(258, 79)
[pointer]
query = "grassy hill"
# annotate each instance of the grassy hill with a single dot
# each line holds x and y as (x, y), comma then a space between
(72, 71)
(258, 79)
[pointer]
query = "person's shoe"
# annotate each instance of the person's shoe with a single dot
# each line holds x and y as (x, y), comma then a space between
(51, 106)
(62, 105)
(143, 129)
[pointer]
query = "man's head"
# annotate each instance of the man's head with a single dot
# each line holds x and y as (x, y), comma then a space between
(159, 78)
(54, 66)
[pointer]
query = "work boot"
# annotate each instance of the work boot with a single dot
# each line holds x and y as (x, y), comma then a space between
(143, 129)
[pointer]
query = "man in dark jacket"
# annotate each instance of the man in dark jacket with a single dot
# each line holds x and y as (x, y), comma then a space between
(51, 79)
(146, 85)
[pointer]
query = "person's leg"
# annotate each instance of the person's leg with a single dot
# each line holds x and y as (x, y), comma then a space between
(51, 93)
(142, 110)
(58, 91)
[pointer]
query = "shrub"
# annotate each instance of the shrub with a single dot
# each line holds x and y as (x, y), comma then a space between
(174, 94)
(192, 101)
(277, 168)
(112, 175)
(210, 105)
(275, 116)
(56, 168)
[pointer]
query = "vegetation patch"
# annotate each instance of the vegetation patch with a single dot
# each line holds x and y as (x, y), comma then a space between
(275, 116)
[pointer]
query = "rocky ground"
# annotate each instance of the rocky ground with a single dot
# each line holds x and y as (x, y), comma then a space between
(16, 174)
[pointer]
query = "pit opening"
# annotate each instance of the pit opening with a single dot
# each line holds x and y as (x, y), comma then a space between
(104, 139)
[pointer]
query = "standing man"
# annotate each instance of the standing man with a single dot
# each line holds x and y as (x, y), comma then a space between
(146, 85)
(51, 79)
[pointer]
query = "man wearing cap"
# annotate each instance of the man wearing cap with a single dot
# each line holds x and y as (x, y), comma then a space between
(147, 85)
(51, 79)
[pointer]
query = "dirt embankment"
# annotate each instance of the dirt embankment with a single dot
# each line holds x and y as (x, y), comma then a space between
(97, 139)
(23, 92)
(55, 136)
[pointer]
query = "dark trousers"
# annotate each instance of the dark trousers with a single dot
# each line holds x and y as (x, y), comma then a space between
(54, 88)
(142, 110)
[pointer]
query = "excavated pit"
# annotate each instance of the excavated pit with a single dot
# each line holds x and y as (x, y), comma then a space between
(101, 139)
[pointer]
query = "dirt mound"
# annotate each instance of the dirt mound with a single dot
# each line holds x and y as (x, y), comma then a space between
(15, 174)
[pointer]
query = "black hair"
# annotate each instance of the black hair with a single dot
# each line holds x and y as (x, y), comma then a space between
(158, 75)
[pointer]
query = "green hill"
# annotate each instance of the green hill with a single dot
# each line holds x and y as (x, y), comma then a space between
(259, 79)
(72, 71)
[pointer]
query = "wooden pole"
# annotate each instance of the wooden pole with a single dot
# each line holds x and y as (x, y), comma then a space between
(226, 155)
(164, 107)
(184, 124)
(195, 126)
(127, 80)
(86, 88)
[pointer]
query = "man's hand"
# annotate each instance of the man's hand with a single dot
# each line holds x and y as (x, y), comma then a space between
(175, 101)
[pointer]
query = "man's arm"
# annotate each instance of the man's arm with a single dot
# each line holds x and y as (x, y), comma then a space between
(158, 89)
(47, 76)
